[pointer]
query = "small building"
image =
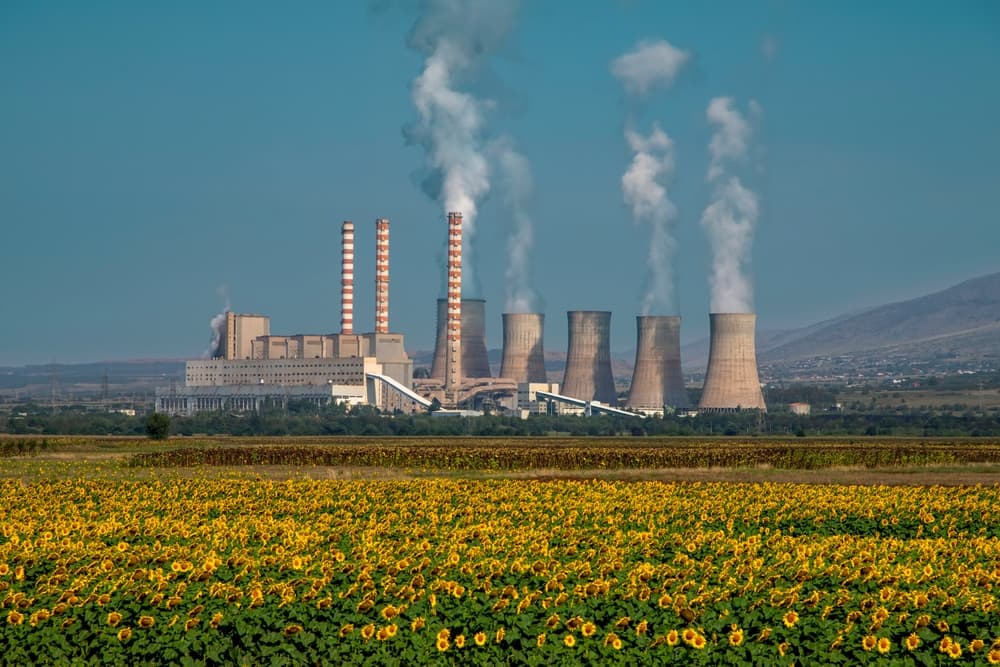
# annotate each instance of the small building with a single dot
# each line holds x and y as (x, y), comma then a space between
(802, 409)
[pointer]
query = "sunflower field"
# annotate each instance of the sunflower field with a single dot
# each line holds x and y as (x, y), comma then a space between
(241, 570)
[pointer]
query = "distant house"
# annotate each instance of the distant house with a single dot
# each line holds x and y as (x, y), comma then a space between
(800, 408)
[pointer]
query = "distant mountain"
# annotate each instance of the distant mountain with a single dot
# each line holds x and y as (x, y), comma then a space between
(962, 321)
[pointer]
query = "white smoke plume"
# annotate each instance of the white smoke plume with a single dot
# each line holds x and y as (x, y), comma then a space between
(730, 218)
(644, 188)
(649, 64)
(517, 185)
(217, 325)
(457, 37)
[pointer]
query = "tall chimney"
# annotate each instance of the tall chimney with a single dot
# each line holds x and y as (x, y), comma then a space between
(381, 275)
(347, 277)
(523, 356)
(588, 359)
(453, 355)
(475, 360)
(731, 381)
(657, 380)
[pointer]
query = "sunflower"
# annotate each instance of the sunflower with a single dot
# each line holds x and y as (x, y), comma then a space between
(993, 657)
(943, 626)
(783, 648)
(790, 619)
(444, 633)
(869, 642)
(976, 644)
(124, 634)
(552, 621)
(540, 640)
(955, 651)
(912, 642)
(688, 635)
(346, 629)
(114, 618)
(642, 628)
(15, 618)
(459, 641)
(500, 635)
(146, 622)
(391, 629)
(417, 624)
(479, 638)
(735, 637)
(699, 642)
(569, 641)
(368, 631)
(441, 644)
(191, 622)
(883, 645)
(673, 638)
(588, 629)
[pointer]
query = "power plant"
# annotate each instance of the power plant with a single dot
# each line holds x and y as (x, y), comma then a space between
(657, 380)
(250, 368)
(731, 381)
(588, 357)
(523, 357)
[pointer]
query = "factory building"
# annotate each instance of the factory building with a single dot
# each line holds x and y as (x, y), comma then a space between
(254, 397)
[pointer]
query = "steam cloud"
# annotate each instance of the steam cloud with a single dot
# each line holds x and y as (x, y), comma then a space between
(644, 184)
(457, 37)
(649, 64)
(730, 218)
(217, 325)
(518, 186)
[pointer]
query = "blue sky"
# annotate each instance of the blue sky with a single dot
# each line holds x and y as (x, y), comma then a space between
(153, 153)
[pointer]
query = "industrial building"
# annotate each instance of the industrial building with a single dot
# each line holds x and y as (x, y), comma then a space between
(657, 380)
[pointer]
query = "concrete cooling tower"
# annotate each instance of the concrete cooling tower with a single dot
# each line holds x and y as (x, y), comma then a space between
(657, 380)
(731, 381)
(523, 356)
(475, 363)
(588, 359)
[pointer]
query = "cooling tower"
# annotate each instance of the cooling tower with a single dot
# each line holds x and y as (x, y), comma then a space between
(657, 380)
(588, 359)
(731, 381)
(475, 363)
(523, 357)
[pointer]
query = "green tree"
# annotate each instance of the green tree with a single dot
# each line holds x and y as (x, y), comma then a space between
(158, 426)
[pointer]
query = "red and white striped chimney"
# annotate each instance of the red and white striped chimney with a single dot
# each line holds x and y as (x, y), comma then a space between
(453, 365)
(347, 277)
(382, 275)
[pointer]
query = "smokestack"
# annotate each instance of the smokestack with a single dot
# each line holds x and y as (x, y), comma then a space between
(381, 275)
(523, 355)
(731, 382)
(347, 277)
(453, 353)
(588, 359)
(657, 380)
(475, 361)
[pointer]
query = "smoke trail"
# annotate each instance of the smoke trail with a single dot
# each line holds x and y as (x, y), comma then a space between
(643, 186)
(217, 325)
(457, 37)
(518, 186)
(730, 218)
